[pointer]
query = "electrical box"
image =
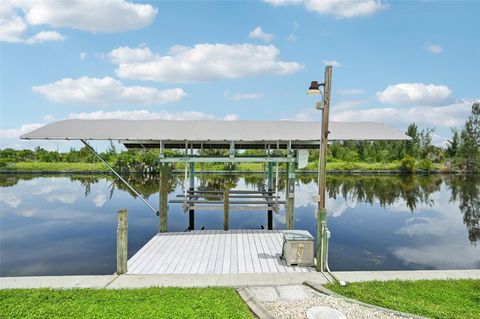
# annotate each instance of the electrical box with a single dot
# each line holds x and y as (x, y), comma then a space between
(298, 248)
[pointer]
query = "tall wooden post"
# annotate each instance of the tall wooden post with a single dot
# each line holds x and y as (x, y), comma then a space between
(290, 197)
(322, 176)
(191, 212)
(122, 241)
(163, 194)
(226, 208)
(270, 193)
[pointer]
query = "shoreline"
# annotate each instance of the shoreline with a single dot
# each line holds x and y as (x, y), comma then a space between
(223, 172)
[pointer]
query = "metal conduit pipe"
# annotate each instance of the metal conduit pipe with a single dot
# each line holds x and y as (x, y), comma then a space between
(341, 282)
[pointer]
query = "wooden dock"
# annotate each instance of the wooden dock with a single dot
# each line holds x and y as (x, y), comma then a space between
(213, 252)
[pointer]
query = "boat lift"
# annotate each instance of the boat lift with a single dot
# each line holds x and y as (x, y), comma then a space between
(292, 138)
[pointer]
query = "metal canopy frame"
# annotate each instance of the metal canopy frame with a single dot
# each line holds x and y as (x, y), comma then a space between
(269, 199)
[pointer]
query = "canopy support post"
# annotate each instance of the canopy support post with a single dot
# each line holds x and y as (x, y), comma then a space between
(118, 175)
(290, 192)
(270, 192)
(191, 211)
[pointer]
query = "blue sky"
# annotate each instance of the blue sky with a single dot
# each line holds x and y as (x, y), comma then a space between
(395, 62)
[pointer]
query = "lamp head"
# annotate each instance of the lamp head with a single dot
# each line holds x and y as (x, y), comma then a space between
(314, 89)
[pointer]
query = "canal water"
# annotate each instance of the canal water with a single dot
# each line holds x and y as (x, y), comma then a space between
(66, 224)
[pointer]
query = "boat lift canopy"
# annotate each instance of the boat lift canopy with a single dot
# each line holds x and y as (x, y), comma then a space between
(213, 133)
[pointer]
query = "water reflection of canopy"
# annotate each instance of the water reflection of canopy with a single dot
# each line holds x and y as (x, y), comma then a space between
(213, 134)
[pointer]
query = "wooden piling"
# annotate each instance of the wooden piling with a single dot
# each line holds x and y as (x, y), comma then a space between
(226, 205)
(122, 241)
(163, 200)
(322, 240)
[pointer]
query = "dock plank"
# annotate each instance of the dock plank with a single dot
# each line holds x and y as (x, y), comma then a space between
(212, 252)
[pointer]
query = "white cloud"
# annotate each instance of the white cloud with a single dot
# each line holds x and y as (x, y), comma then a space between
(45, 36)
(86, 15)
(333, 63)
(258, 33)
(16, 17)
(83, 56)
(147, 115)
(336, 8)
(350, 91)
(106, 91)
(283, 2)
(243, 96)
(204, 62)
(415, 93)
(128, 55)
(346, 105)
(425, 116)
(49, 118)
(13, 27)
(433, 48)
(15, 133)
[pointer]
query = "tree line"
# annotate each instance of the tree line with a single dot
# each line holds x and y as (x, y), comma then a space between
(461, 152)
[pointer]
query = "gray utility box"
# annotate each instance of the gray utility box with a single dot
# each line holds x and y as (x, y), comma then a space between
(298, 248)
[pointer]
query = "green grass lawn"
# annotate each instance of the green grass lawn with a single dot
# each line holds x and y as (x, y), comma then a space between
(59, 167)
(247, 167)
(126, 303)
(430, 298)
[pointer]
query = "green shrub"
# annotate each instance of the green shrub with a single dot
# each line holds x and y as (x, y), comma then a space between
(6, 163)
(407, 165)
(425, 165)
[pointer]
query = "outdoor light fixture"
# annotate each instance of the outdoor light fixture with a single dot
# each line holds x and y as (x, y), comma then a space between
(314, 89)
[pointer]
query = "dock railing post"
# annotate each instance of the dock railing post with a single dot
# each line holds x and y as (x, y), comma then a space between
(226, 208)
(122, 241)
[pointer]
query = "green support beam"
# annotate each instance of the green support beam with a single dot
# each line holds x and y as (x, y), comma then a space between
(237, 159)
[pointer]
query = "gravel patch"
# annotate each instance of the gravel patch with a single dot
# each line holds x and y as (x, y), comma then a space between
(293, 309)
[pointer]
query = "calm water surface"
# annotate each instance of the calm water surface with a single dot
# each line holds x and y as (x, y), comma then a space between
(58, 225)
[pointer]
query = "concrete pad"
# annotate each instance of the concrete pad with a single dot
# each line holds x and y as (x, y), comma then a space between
(215, 280)
(358, 276)
(321, 312)
(293, 292)
(56, 282)
(264, 294)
